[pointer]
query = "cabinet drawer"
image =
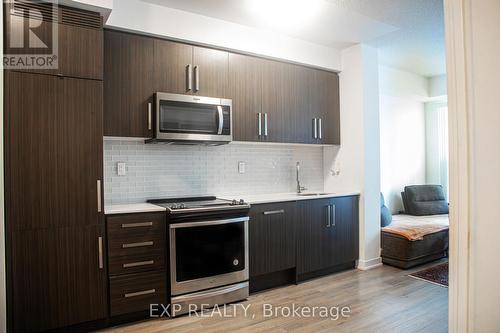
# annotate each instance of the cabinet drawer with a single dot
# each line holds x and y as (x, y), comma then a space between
(137, 262)
(133, 228)
(136, 245)
(135, 292)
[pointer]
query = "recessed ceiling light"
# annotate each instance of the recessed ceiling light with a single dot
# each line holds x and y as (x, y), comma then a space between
(285, 13)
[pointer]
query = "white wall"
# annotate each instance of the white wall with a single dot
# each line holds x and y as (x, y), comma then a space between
(134, 15)
(395, 82)
(355, 165)
(482, 45)
(402, 133)
(437, 87)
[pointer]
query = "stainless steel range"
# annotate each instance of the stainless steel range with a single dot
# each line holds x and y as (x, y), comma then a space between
(208, 242)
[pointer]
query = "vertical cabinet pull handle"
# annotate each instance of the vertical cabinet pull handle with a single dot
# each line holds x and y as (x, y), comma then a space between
(328, 216)
(315, 128)
(265, 124)
(150, 117)
(320, 125)
(196, 78)
(101, 261)
(259, 123)
(332, 207)
(189, 78)
(99, 208)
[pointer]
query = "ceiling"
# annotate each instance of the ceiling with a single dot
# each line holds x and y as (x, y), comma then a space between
(408, 33)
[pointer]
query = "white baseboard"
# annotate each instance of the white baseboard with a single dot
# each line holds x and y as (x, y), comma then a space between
(365, 265)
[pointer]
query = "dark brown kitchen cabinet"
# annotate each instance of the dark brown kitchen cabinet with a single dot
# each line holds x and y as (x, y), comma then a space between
(55, 231)
(210, 72)
(57, 278)
(128, 84)
(328, 234)
(271, 238)
(78, 34)
(245, 89)
(324, 107)
(186, 69)
(274, 121)
(172, 67)
(53, 134)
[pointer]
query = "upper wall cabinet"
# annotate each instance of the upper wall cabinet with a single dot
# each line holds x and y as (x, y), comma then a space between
(272, 101)
(78, 34)
(280, 102)
(185, 69)
(128, 84)
(245, 89)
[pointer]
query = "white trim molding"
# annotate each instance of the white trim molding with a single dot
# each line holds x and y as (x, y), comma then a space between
(459, 96)
(365, 265)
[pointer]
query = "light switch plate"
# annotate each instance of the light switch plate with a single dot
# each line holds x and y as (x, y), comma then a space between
(241, 167)
(121, 168)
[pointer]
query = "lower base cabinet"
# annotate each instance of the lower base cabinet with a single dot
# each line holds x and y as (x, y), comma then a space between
(57, 278)
(294, 241)
(328, 230)
(137, 265)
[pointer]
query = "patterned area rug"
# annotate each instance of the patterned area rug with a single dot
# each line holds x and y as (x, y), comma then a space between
(436, 274)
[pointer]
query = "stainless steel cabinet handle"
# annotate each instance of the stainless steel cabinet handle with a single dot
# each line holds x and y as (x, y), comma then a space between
(328, 216)
(140, 293)
(196, 78)
(320, 125)
(265, 124)
(259, 125)
(189, 78)
(139, 263)
(332, 207)
(99, 208)
(99, 245)
(150, 117)
(272, 212)
(135, 225)
(315, 128)
(221, 119)
(129, 245)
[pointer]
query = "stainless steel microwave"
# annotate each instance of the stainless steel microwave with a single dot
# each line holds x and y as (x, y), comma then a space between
(192, 119)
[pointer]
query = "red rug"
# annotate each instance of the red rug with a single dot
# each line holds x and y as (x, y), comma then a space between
(436, 274)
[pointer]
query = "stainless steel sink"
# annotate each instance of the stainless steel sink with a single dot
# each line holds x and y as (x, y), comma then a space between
(313, 194)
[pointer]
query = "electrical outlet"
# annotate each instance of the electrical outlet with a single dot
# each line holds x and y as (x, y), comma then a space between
(241, 167)
(121, 168)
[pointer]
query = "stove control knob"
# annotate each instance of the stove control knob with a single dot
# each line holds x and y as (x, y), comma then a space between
(182, 206)
(242, 202)
(234, 202)
(173, 206)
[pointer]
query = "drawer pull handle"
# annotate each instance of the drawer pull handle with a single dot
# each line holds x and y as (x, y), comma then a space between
(139, 263)
(135, 225)
(129, 245)
(140, 293)
(272, 212)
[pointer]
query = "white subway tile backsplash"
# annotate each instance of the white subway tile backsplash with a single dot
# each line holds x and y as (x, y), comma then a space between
(155, 171)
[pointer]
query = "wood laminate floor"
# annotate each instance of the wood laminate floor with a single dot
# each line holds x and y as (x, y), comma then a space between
(383, 299)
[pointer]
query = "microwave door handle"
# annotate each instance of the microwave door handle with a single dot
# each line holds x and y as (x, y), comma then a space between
(221, 119)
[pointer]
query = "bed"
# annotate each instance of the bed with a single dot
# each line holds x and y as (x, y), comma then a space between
(420, 234)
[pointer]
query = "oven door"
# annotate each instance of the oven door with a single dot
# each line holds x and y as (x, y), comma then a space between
(208, 254)
(192, 118)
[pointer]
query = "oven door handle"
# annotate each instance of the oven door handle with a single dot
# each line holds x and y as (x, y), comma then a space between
(221, 120)
(207, 223)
